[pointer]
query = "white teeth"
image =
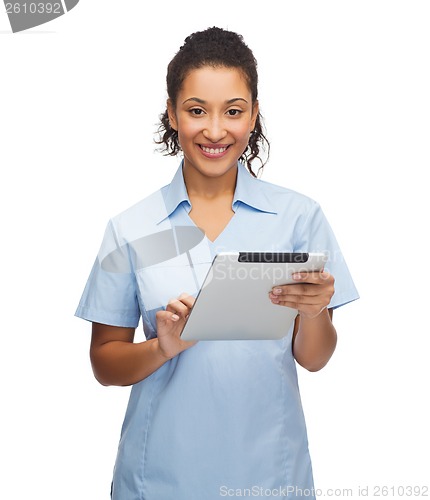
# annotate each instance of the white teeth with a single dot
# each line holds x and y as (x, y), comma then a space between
(213, 151)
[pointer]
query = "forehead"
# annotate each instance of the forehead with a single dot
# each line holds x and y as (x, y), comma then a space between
(213, 83)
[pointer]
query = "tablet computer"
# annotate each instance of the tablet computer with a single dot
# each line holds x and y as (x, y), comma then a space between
(233, 302)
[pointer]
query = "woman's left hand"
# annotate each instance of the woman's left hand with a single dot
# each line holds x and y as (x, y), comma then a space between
(310, 295)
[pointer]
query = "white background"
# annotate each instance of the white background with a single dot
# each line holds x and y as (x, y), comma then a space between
(344, 89)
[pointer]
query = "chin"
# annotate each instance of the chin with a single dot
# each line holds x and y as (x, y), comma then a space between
(211, 168)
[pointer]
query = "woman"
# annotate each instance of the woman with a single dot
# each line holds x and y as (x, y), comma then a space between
(210, 419)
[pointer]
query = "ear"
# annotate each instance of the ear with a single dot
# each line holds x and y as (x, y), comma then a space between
(172, 115)
(255, 110)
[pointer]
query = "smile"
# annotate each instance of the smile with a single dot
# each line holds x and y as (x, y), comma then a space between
(214, 152)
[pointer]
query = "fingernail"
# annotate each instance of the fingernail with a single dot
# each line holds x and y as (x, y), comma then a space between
(174, 317)
(296, 276)
(277, 291)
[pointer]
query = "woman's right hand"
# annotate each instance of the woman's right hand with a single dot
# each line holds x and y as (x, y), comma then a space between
(170, 324)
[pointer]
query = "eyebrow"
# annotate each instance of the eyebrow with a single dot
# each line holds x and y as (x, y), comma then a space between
(201, 101)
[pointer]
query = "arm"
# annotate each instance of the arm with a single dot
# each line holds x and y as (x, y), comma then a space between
(314, 336)
(117, 360)
(314, 340)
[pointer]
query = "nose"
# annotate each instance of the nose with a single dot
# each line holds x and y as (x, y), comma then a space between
(215, 130)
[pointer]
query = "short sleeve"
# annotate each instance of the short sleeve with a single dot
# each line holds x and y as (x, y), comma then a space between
(316, 235)
(110, 295)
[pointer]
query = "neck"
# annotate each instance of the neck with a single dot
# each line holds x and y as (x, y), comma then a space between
(202, 186)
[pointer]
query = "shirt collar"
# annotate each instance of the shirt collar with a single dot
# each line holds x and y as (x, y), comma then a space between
(174, 194)
(248, 191)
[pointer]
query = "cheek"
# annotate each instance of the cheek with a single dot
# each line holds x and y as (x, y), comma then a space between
(241, 131)
(188, 129)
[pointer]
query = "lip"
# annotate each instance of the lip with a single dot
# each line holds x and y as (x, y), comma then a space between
(213, 146)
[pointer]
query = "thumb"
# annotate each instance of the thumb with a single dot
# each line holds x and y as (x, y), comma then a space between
(166, 316)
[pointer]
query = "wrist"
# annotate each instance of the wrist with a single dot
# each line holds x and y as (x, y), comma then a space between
(315, 315)
(161, 354)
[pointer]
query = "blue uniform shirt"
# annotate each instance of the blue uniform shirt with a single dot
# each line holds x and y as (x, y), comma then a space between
(222, 417)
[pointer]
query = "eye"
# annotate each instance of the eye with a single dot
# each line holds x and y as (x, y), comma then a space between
(196, 111)
(234, 112)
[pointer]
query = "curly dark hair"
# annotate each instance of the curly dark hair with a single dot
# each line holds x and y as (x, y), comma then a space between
(218, 48)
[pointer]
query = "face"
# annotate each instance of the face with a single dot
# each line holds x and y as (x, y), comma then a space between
(214, 116)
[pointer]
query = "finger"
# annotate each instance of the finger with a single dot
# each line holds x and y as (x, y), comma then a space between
(301, 301)
(299, 289)
(310, 309)
(303, 294)
(311, 285)
(166, 316)
(187, 299)
(178, 307)
(315, 277)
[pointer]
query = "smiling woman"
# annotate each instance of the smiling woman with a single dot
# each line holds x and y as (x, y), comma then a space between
(219, 50)
(203, 415)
